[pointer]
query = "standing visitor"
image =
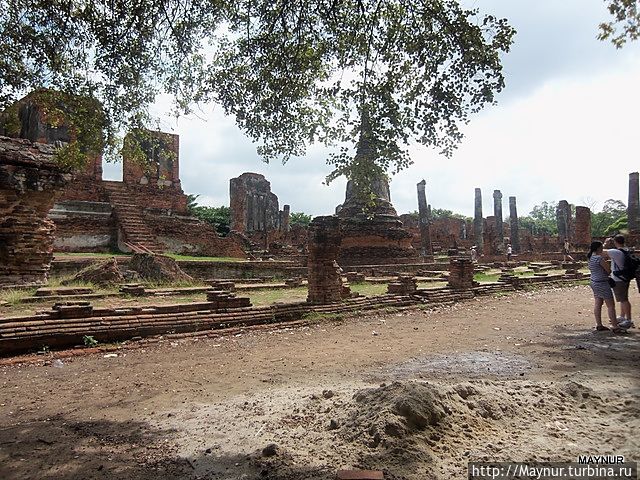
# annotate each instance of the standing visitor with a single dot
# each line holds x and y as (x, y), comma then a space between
(614, 250)
(600, 270)
(565, 251)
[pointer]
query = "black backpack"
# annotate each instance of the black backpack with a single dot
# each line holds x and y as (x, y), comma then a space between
(631, 267)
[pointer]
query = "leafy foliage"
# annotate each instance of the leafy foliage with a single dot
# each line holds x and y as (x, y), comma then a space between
(300, 218)
(625, 25)
(218, 217)
(443, 213)
(383, 73)
(123, 54)
(368, 76)
(541, 220)
(611, 219)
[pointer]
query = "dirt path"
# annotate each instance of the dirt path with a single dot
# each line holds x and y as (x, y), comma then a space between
(415, 393)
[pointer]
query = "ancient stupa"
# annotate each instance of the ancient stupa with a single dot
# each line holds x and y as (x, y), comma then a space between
(372, 233)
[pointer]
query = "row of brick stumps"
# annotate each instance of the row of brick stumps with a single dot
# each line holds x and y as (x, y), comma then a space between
(403, 285)
(324, 275)
(461, 273)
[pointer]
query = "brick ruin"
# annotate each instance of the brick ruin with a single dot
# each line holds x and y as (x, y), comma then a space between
(147, 211)
(255, 215)
(324, 273)
(373, 234)
(633, 205)
(29, 182)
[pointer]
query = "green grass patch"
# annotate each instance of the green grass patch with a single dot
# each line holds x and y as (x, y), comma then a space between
(320, 316)
(204, 259)
(267, 296)
(15, 296)
(485, 277)
(369, 289)
(68, 255)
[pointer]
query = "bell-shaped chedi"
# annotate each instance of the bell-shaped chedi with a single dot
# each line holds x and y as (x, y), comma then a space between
(372, 233)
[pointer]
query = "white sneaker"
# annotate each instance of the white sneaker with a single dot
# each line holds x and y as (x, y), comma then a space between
(624, 323)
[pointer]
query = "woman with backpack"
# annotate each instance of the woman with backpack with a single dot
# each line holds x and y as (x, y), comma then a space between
(614, 248)
(600, 270)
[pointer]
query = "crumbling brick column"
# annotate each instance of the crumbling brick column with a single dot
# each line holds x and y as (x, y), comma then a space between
(633, 208)
(583, 227)
(514, 226)
(29, 181)
(563, 219)
(478, 222)
(325, 279)
(253, 207)
(284, 219)
(461, 273)
(497, 213)
(425, 221)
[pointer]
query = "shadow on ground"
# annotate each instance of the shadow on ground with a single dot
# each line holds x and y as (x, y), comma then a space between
(63, 449)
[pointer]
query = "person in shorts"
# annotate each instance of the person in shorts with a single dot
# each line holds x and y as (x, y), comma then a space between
(613, 249)
(602, 294)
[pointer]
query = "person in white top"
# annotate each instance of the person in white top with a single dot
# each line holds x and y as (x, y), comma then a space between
(621, 290)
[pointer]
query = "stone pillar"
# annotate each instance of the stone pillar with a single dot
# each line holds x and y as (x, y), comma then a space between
(478, 222)
(633, 208)
(563, 219)
(286, 213)
(515, 228)
(582, 236)
(497, 212)
(460, 273)
(425, 221)
(325, 280)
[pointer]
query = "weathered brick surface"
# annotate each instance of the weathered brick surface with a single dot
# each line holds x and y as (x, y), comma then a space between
(190, 236)
(160, 166)
(582, 237)
(325, 279)
(29, 181)
(633, 205)
(378, 240)
(461, 273)
(253, 206)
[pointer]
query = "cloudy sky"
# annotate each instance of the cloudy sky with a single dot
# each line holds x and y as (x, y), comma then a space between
(565, 127)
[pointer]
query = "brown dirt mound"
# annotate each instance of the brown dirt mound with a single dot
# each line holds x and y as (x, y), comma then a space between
(104, 272)
(157, 268)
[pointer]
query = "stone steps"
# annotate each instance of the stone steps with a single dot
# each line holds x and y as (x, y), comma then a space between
(137, 235)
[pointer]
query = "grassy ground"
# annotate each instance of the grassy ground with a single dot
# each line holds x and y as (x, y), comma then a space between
(67, 256)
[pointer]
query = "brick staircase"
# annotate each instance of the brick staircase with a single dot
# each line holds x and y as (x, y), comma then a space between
(137, 234)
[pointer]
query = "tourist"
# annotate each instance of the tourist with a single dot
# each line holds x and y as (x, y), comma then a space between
(509, 252)
(565, 251)
(474, 254)
(613, 248)
(602, 293)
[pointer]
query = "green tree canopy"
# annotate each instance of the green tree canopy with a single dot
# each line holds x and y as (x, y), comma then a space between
(300, 218)
(364, 75)
(541, 220)
(218, 217)
(367, 76)
(612, 218)
(625, 25)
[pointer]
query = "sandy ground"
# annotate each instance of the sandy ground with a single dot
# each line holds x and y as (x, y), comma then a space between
(415, 393)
